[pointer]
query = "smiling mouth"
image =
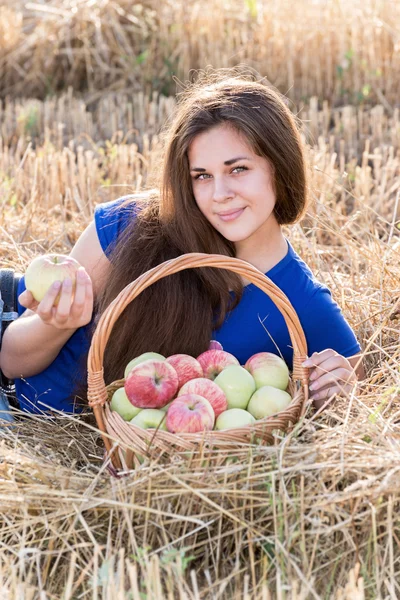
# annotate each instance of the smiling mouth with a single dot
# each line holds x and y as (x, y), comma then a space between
(231, 215)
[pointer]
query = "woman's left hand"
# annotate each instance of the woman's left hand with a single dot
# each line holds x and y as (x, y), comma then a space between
(330, 373)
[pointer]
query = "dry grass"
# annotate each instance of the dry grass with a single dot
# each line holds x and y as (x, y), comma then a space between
(290, 521)
(337, 50)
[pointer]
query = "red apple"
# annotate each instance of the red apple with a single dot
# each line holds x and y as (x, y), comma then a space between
(207, 389)
(186, 366)
(213, 361)
(139, 359)
(215, 345)
(268, 369)
(151, 384)
(190, 413)
(44, 270)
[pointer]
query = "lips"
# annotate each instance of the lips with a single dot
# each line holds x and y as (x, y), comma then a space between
(231, 215)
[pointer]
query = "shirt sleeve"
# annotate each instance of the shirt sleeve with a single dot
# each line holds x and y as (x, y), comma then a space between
(111, 218)
(21, 288)
(325, 326)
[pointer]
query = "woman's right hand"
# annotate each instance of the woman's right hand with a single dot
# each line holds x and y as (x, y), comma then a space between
(71, 311)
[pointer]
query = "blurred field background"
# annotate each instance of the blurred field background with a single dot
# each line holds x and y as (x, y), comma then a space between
(85, 87)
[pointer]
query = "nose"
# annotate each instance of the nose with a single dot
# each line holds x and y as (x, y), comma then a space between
(222, 190)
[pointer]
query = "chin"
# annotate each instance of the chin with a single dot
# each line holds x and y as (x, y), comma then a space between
(235, 238)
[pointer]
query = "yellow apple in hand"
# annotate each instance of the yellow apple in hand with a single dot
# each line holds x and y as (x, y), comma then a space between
(45, 270)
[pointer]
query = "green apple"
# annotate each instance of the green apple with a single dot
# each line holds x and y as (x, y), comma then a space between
(237, 384)
(150, 418)
(121, 405)
(233, 418)
(140, 359)
(166, 407)
(268, 401)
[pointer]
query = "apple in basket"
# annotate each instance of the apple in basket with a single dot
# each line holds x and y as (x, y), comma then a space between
(215, 345)
(237, 384)
(190, 413)
(186, 367)
(120, 404)
(213, 361)
(140, 359)
(151, 384)
(207, 389)
(267, 401)
(150, 418)
(166, 407)
(268, 369)
(234, 418)
(44, 270)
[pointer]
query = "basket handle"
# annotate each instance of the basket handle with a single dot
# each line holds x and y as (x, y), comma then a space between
(97, 393)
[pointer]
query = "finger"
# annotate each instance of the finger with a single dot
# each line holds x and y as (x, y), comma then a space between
(340, 377)
(318, 357)
(80, 292)
(326, 390)
(44, 308)
(330, 364)
(26, 299)
(63, 308)
(89, 292)
(88, 308)
(324, 398)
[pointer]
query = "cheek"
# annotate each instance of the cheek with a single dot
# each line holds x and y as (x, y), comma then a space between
(201, 200)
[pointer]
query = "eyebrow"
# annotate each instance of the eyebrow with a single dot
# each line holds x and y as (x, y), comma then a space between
(227, 163)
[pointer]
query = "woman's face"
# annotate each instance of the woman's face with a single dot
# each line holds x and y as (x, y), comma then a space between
(232, 186)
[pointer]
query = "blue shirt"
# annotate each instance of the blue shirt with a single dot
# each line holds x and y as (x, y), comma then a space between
(255, 325)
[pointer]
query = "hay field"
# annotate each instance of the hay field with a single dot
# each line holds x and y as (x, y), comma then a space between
(84, 88)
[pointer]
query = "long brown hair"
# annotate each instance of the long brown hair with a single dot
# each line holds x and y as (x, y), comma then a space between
(178, 313)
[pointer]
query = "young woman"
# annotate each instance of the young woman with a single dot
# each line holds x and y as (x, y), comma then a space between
(233, 173)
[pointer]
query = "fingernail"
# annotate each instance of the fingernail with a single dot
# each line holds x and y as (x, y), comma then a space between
(81, 274)
(67, 282)
(313, 386)
(57, 285)
(306, 363)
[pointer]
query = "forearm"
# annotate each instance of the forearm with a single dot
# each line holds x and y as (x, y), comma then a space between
(29, 346)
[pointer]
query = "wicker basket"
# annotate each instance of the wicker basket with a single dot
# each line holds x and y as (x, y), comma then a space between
(127, 443)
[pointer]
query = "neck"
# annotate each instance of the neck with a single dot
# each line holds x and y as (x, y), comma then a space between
(263, 251)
